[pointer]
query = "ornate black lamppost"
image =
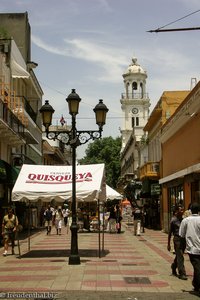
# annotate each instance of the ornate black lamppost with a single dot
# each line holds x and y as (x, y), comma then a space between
(74, 138)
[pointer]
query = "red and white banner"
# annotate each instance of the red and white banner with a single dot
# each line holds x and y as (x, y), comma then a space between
(44, 182)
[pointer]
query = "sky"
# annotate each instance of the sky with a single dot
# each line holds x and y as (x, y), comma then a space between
(88, 44)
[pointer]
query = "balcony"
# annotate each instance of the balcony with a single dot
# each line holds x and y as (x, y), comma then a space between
(150, 170)
(27, 107)
(15, 111)
(11, 127)
(134, 95)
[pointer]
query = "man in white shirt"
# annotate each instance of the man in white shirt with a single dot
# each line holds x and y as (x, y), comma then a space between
(190, 230)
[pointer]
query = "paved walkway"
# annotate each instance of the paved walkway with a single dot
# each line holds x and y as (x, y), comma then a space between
(130, 268)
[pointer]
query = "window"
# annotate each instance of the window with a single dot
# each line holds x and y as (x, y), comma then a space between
(141, 90)
(134, 86)
(135, 121)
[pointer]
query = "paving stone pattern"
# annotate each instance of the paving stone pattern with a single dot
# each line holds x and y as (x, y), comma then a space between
(128, 267)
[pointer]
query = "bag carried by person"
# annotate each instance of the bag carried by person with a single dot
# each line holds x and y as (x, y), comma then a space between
(117, 225)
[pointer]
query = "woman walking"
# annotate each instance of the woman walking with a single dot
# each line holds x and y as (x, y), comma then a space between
(112, 220)
(58, 220)
(118, 218)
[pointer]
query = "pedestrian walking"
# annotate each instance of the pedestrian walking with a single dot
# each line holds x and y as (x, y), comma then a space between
(112, 220)
(137, 217)
(66, 213)
(179, 243)
(9, 227)
(48, 215)
(58, 220)
(187, 212)
(190, 230)
(118, 218)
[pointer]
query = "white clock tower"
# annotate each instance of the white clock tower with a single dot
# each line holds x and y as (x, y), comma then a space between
(135, 103)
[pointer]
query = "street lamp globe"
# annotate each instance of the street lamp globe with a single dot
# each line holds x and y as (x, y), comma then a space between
(100, 112)
(47, 112)
(73, 100)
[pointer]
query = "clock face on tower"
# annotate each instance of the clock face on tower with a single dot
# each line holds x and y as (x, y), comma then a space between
(135, 110)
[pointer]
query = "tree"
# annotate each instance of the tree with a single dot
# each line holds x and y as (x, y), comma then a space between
(107, 151)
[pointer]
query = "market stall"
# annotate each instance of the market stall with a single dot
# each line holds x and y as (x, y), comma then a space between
(46, 183)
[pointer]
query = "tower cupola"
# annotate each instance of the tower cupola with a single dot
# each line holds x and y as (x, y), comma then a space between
(135, 102)
(135, 80)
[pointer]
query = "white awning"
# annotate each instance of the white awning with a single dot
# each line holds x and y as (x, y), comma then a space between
(181, 173)
(45, 182)
(18, 65)
(112, 194)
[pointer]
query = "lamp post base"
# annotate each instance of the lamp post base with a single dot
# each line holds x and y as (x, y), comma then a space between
(74, 259)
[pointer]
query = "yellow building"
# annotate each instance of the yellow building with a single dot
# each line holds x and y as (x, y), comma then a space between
(151, 154)
(180, 177)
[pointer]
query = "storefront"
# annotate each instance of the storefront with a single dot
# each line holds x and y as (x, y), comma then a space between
(8, 176)
(150, 196)
(182, 190)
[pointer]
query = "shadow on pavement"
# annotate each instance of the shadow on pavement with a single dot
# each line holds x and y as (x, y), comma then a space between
(63, 253)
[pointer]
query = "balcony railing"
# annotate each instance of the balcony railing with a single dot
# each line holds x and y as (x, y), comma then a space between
(136, 95)
(150, 170)
(10, 119)
(22, 110)
(27, 107)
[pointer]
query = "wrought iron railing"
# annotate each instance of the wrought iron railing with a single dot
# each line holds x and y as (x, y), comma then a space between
(135, 95)
(10, 119)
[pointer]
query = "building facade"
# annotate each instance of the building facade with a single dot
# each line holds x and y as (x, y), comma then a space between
(180, 179)
(20, 120)
(151, 169)
(20, 99)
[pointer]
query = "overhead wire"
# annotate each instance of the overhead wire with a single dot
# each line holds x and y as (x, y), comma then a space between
(179, 19)
(177, 29)
(59, 92)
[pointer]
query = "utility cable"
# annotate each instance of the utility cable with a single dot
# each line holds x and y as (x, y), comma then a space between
(160, 29)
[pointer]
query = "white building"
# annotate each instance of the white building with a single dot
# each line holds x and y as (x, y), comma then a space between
(135, 105)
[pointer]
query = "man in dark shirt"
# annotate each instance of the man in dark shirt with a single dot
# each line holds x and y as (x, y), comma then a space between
(48, 214)
(179, 244)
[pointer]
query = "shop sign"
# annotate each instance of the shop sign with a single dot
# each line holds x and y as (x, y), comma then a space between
(155, 189)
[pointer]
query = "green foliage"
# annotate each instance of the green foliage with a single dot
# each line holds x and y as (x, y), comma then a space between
(144, 140)
(3, 33)
(107, 151)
